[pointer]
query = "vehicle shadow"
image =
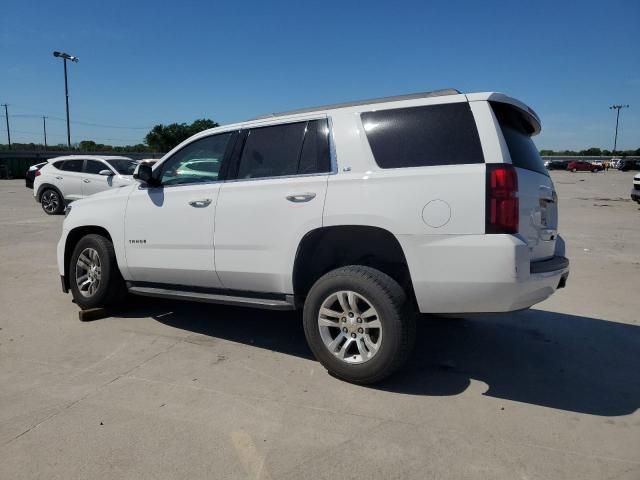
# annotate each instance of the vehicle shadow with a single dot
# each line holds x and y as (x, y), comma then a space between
(568, 362)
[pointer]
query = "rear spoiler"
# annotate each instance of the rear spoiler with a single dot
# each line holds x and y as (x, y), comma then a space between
(529, 113)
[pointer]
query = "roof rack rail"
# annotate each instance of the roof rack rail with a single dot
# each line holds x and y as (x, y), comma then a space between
(411, 96)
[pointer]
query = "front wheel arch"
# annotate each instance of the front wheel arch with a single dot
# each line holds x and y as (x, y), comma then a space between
(73, 238)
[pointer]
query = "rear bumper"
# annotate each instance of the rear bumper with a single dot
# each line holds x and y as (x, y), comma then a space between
(480, 273)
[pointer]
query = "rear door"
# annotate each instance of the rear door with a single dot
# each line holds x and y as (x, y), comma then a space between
(536, 193)
(276, 196)
(69, 180)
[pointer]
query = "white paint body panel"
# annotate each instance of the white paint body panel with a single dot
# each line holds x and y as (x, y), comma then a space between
(167, 240)
(248, 237)
(258, 230)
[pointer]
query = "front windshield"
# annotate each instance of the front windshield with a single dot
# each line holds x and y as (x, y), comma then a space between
(123, 167)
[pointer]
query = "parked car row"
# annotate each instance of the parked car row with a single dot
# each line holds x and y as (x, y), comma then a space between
(592, 166)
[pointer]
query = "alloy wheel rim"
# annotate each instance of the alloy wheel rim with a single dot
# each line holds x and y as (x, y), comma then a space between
(50, 201)
(88, 272)
(350, 327)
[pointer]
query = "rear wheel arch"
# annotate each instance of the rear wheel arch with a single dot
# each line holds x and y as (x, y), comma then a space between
(47, 186)
(324, 249)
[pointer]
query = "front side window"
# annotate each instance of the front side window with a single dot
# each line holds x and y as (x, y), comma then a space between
(72, 165)
(94, 167)
(423, 136)
(198, 162)
(123, 166)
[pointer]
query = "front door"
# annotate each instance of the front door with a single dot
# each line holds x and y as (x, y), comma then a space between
(169, 228)
(92, 181)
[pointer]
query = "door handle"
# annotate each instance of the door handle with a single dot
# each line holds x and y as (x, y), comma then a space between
(58, 178)
(301, 197)
(86, 180)
(200, 203)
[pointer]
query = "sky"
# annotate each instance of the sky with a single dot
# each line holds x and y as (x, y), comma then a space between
(149, 62)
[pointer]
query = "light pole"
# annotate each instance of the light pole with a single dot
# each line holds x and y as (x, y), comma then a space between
(44, 126)
(65, 57)
(6, 116)
(615, 139)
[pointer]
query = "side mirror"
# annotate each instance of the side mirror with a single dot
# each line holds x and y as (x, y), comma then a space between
(105, 172)
(144, 173)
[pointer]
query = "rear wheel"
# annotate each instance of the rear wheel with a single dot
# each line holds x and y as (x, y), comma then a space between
(52, 202)
(94, 275)
(358, 324)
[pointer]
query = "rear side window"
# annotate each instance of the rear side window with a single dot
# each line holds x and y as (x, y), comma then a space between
(58, 164)
(72, 165)
(94, 167)
(315, 157)
(423, 136)
(272, 151)
(517, 131)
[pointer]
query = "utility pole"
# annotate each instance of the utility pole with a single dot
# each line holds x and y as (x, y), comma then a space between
(65, 57)
(6, 117)
(615, 139)
(44, 126)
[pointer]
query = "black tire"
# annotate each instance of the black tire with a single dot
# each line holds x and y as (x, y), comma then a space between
(111, 289)
(395, 314)
(51, 202)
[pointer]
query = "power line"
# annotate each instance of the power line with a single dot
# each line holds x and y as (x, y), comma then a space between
(77, 122)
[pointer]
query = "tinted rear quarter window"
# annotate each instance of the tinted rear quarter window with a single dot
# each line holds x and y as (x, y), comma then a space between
(517, 131)
(423, 136)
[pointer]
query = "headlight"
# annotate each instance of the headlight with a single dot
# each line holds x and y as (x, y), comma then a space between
(67, 209)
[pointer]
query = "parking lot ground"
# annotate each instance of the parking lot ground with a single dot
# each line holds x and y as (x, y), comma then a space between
(178, 390)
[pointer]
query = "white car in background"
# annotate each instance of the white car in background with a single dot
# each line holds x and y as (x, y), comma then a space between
(73, 177)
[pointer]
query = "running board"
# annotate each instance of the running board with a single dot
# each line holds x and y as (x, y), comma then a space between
(266, 303)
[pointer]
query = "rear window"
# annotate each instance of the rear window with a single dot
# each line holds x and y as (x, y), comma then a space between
(517, 133)
(423, 136)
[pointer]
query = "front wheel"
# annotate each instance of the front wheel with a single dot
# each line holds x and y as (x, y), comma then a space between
(359, 324)
(94, 276)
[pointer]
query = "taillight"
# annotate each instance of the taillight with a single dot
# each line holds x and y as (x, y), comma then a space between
(37, 173)
(502, 208)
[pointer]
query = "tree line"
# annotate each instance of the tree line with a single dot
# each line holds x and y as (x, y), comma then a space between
(161, 138)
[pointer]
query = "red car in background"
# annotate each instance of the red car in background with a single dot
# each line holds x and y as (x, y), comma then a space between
(584, 167)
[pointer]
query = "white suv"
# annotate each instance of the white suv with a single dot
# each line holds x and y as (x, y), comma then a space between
(64, 179)
(361, 214)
